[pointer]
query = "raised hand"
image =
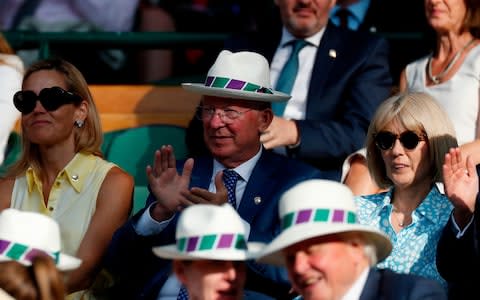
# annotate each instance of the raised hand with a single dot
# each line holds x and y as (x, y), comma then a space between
(461, 184)
(166, 184)
(199, 195)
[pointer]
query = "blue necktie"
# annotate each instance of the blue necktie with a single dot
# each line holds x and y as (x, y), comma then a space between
(182, 294)
(287, 76)
(230, 179)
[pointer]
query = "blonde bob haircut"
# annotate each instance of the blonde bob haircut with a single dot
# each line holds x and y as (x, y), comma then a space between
(88, 138)
(420, 113)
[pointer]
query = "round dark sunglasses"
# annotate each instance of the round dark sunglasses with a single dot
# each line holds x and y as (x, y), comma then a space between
(50, 98)
(409, 139)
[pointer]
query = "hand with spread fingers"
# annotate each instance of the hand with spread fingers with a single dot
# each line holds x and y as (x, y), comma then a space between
(461, 184)
(167, 184)
(281, 132)
(198, 195)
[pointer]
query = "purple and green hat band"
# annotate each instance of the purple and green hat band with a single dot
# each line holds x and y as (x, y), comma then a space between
(319, 215)
(21, 252)
(234, 84)
(224, 241)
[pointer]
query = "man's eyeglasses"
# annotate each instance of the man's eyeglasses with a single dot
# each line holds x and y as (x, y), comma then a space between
(227, 115)
(50, 98)
(409, 139)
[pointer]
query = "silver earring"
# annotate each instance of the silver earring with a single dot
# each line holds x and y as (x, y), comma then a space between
(79, 123)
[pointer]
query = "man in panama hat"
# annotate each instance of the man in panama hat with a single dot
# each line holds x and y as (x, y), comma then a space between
(329, 255)
(235, 109)
(210, 251)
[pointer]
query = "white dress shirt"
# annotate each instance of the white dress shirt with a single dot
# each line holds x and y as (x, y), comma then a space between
(297, 105)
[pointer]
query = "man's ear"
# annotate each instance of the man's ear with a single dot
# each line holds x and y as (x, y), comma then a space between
(179, 269)
(265, 118)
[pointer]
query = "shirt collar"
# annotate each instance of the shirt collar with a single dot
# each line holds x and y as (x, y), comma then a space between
(244, 170)
(76, 171)
(358, 9)
(313, 40)
(356, 289)
(425, 208)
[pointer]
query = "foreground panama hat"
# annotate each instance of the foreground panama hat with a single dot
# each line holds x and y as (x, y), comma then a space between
(240, 75)
(24, 235)
(210, 232)
(315, 208)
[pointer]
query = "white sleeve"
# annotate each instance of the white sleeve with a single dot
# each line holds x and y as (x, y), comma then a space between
(10, 83)
(460, 233)
(347, 162)
(146, 225)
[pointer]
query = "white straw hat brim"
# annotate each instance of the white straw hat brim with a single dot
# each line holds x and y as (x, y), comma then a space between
(272, 254)
(171, 252)
(236, 94)
(65, 262)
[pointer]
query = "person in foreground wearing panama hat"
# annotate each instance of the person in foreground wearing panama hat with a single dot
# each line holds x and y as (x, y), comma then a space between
(210, 251)
(329, 255)
(30, 257)
(235, 109)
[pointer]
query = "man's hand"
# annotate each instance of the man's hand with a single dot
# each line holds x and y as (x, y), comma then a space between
(461, 185)
(166, 184)
(281, 132)
(198, 195)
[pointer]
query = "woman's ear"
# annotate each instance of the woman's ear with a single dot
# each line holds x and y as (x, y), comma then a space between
(265, 119)
(81, 112)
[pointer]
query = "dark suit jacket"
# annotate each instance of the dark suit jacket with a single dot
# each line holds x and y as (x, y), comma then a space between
(388, 285)
(408, 40)
(343, 95)
(140, 274)
(458, 260)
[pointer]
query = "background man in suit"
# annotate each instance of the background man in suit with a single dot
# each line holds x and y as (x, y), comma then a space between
(458, 251)
(342, 77)
(330, 256)
(234, 111)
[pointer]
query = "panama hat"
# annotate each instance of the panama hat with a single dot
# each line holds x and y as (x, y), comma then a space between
(213, 232)
(240, 75)
(24, 235)
(315, 208)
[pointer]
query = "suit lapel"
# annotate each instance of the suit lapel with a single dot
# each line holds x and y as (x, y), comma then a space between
(259, 185)
(371, 289)
(328, 52)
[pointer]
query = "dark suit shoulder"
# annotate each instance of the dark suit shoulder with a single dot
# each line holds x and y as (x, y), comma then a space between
(360, 38)
(407, 286)
(288, 165)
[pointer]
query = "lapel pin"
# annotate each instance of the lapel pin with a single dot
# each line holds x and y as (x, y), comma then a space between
(332, 53)
(257, 200)
(74, 177)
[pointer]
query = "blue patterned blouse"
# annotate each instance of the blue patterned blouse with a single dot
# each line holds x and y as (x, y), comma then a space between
(415, 246)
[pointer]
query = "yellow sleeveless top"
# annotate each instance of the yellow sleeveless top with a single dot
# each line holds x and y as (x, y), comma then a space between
(72, 200)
